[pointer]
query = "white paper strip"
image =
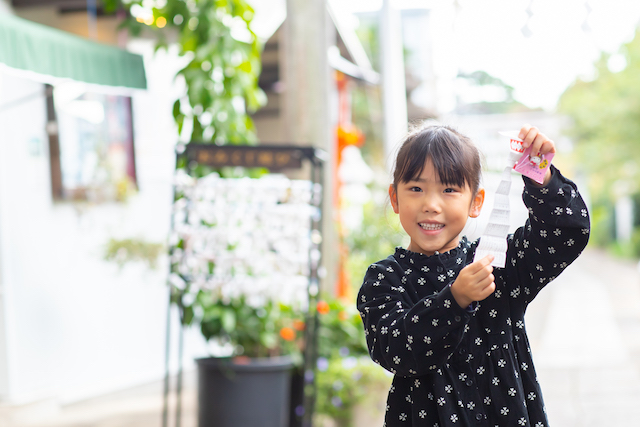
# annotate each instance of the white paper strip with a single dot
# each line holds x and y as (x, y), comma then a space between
(494, 240)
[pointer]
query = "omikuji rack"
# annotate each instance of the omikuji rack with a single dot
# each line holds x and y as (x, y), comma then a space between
(274, 158)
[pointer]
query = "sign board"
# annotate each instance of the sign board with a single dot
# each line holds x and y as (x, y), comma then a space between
(272, 157)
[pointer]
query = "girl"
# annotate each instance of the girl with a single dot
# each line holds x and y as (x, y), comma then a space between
(452, 330)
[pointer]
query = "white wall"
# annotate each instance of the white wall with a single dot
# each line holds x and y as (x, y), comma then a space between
(71, 324)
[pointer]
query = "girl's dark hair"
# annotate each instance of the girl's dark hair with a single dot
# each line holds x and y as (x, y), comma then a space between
(455, 157)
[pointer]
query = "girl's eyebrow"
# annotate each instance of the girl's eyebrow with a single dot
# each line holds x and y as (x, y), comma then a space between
(422, 180)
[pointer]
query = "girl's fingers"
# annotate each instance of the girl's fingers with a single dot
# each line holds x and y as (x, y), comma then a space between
(486, 281)
(483, 264)
(530, 135)
(538, 143)
(548, 147)
(486, 260)
(524, 131)
(489, 289)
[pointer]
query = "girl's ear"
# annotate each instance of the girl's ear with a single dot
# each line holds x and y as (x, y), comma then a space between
(476, 204)
(393, 197)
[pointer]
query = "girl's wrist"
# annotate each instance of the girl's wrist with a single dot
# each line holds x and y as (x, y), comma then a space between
(462, 300)
(548, 177)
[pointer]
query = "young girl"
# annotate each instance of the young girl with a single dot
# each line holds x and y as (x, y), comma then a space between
(450, 329)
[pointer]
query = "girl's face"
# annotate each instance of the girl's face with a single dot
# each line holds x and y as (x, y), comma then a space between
(432, 213)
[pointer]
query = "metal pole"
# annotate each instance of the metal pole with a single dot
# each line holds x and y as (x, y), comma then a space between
(179, 385)
(165, 400)
(311, 350)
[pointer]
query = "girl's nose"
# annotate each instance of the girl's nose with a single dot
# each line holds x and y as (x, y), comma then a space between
(430, 204)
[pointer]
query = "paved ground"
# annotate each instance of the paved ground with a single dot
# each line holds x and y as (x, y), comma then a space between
(584, 330)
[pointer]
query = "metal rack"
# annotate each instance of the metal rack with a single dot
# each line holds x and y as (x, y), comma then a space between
(274, 158)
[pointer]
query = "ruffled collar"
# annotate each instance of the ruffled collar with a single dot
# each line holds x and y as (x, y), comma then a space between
(411, 257)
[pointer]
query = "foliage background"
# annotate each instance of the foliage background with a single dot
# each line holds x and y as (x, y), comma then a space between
(224, 54)
(605, 111)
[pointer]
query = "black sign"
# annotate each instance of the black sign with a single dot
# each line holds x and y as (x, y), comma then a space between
(259, 156)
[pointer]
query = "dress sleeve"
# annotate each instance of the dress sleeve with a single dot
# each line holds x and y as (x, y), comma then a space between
(554, 235)
(405, 336)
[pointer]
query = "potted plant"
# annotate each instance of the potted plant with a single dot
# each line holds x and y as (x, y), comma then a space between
(242, 280)
(263, 341)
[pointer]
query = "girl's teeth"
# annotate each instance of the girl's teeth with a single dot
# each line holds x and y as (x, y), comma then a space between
(431, 226)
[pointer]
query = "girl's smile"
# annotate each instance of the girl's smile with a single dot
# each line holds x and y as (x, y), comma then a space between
(431, 226)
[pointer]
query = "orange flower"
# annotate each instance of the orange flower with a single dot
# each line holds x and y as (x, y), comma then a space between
(323, 307)
(287, 333)
(298, 325)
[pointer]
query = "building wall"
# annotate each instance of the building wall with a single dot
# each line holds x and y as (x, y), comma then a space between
(73, 325)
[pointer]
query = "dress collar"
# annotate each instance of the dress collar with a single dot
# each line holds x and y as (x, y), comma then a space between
(406, 256)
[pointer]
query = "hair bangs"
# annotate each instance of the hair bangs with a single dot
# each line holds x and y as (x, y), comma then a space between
(451, 162)
(454, 157)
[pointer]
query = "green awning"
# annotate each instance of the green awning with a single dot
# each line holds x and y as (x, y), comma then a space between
(25, 45)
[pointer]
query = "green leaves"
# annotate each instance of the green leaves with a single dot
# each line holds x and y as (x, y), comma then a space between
(254, 331)
(606, 122)
(605, 112)
(133, 250)
(222, 68)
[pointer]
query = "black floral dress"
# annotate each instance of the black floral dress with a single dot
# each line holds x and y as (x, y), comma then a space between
(470, 367)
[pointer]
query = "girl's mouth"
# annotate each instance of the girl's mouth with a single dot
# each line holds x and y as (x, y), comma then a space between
(431, 227)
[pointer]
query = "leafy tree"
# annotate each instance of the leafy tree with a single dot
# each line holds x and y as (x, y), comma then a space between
(606, 128)
(606, 123)
(224, 62)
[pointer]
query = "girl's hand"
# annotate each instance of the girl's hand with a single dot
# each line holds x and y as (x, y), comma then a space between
(540, 144)
(474, 283)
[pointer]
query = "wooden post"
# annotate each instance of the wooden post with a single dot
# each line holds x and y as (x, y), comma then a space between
(310, 101)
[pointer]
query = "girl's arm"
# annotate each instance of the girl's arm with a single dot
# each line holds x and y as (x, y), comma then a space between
(406, 336)
(554, 235)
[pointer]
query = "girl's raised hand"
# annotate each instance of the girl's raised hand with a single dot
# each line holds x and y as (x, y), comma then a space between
(474, 283)
(540, 144)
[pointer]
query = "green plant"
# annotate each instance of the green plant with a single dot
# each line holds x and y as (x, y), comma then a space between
(223, 57)
(340, 333)
(344, 383)
(224, 62)
(264, 330)
(131, 250)
(345, 373)
(238, 263)
(376, 239)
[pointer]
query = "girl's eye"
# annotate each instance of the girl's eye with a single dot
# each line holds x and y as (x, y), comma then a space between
(449, 190)
(415, 189)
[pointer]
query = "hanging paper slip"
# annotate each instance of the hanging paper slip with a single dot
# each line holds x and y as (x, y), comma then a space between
(494, 239)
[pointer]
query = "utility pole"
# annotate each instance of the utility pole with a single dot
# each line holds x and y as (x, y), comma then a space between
(394, 90)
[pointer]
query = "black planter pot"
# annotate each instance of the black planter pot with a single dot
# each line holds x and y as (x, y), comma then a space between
(253, 393)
